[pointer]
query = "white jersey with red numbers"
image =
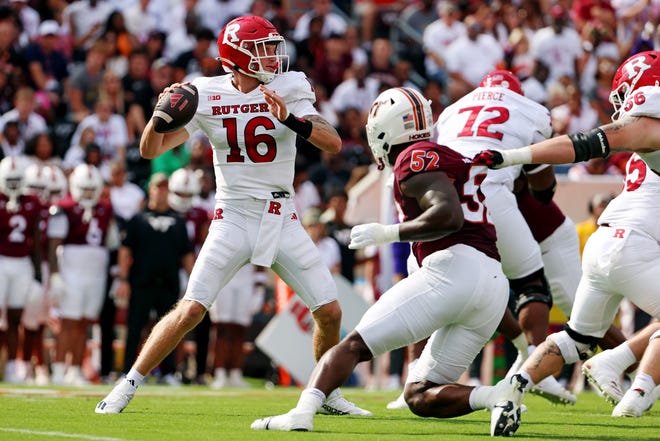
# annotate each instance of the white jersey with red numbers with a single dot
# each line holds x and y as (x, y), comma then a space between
(638, 205)
(253, 153)
(493, 118)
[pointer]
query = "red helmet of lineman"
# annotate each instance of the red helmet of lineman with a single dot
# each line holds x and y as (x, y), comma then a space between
(642, 69)
(502, 78)
(244, 46)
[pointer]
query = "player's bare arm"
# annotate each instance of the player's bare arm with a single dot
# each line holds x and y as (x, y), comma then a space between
(313, 128)
(324, 136)
(442, 214)
(153, 144)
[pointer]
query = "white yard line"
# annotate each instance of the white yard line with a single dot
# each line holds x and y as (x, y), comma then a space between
(61, 434)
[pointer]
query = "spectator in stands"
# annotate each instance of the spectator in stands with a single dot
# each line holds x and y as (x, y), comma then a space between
(332, 23)
(357, 91)
(470, 57)
(136, 85)
(29, 19)
(155, 45)
(534, 86)
(85, 82)
(324, 106)
(190, 61)
(558, 46)
(40, 150)
(434, 91)
(411, 26)
(213, 14)
(437, 37)
(46, 63)
(75, 154)
(112, 91)
(140, 21)
(312, 47)
(84, 20)
(94, 156)
(10, 141)
(147, 282)
(352, 39)
(380, 61)
(575, 115)
(30, 123)
(110, 129)
(12, 63)
(331, 67)
(125, 41)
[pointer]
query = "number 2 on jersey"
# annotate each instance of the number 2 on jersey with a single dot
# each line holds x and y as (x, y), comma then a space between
(500, 116)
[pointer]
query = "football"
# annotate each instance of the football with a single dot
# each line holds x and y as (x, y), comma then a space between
(175, 109)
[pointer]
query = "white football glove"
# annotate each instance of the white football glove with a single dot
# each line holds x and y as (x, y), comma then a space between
(56, 289)
(373, 234)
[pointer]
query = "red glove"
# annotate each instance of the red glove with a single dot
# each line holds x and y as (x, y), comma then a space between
(489, 158)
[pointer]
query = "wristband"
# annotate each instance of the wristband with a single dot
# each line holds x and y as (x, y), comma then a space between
(301, 126)
(591, 144)
(516, 156)
(391, 233)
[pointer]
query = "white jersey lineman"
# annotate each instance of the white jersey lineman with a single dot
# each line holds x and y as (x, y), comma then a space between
(254, 157)
(621, 259)
(499, 118)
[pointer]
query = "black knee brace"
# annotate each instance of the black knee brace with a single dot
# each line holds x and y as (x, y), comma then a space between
(531, 288)
(585, 344)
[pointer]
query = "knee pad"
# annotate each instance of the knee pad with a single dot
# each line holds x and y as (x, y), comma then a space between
(531, 288)
(656, 334)
(573, 346)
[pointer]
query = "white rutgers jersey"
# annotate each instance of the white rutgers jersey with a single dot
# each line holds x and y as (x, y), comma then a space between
(493, 118)
(253, 153)
(638, 204)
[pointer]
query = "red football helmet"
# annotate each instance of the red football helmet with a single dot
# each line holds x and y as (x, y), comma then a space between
(244, 46)
(642, 69)
(502, 78)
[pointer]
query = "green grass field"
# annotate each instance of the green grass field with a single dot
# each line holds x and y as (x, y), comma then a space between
(195, 413)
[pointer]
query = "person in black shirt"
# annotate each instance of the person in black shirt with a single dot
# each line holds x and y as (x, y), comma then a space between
(155, 246)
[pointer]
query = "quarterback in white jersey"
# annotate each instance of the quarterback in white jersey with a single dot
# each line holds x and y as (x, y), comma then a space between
(253, 132)
(497, 115)
(622, 257)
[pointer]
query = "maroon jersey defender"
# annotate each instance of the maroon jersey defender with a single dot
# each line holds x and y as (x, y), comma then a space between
(17, 227)
(458, 295)
(80, 232)
(425, 157)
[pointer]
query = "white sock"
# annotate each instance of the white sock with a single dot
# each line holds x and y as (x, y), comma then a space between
(135, 378)
(526, 376)
(643, 381)
(310, 401)
(520, 343)
(621, 357)
(479, 397)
